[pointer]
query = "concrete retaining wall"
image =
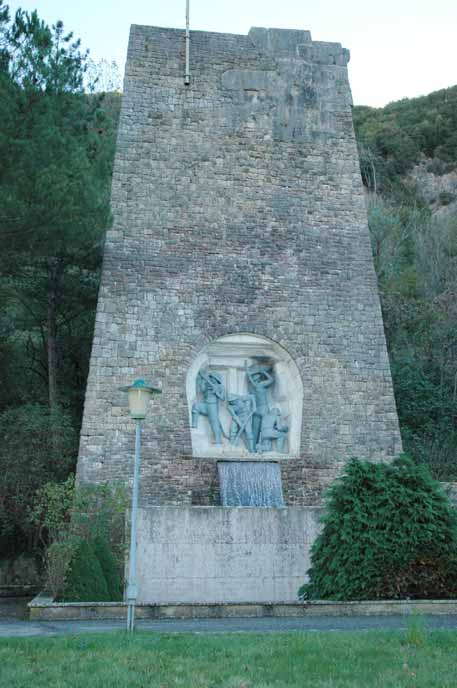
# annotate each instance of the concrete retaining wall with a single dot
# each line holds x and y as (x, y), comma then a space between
(223, 555)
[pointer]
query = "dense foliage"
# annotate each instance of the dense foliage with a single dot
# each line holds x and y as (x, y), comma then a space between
(395, 138)
(92, 574)
(109, 566)
(416, 261)
(389, 532)
(82, 530)
(30, 453)
(56, 150)
(415, 254)
(85, 581)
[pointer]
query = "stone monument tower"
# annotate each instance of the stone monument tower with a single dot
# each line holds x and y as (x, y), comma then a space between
(237, 275)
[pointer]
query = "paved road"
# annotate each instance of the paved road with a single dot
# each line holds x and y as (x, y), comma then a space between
(14, 623)
(14, 627)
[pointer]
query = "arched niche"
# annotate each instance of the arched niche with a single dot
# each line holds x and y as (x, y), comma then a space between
(228, 357)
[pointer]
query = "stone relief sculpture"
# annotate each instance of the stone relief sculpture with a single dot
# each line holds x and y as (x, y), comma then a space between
(209, 384)
(260, 378)
(250, 392)
(252, 418)
(272, 428)
(242, 410)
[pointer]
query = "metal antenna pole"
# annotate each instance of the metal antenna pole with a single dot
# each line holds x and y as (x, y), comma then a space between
(187, 74)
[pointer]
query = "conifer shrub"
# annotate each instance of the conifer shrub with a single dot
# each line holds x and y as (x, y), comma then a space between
(389, 532)
(109, 567)
(85, 580)
(65, 515)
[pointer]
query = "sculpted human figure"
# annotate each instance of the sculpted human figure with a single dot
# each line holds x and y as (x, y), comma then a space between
(242, 409)
(210, 385)
(260, 378)
(273, 428)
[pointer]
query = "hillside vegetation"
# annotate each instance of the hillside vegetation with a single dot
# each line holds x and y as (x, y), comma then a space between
(414, 242)
(393, 139)
(56, 155)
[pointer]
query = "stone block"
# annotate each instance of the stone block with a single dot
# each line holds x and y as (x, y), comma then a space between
(223, 555)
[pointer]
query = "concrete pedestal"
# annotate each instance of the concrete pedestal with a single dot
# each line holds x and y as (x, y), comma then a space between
(224, 554)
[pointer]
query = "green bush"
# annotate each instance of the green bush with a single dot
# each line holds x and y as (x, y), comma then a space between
(85, 580)
(389, 532)
(109, 566)
(65, 515)
(99, 511)
(36, 446)
(57, 560)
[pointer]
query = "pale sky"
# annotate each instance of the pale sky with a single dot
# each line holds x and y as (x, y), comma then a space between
(399, 48)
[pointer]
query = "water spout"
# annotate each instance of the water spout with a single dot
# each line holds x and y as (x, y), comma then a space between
(250, 483)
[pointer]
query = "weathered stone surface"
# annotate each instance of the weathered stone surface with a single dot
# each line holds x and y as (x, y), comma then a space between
(238, 208)
(44, 609)
(221, 555)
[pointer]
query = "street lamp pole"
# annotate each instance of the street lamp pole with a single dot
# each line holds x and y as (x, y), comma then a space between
(132, 587)
(139, 395)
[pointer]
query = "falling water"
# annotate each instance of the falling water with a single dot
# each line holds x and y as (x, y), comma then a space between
(250, 483)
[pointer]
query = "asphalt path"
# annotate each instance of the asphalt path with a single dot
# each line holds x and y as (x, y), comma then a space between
(20, 628)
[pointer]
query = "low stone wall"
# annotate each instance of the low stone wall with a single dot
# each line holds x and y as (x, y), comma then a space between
(42, 608)
(224, 555)
(20, 576)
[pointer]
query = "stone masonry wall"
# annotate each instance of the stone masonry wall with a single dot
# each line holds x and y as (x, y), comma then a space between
(238, 207)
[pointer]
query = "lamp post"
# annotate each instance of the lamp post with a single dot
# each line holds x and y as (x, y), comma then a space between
(139, 394)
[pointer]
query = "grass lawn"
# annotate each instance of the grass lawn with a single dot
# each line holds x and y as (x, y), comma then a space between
(414, 658)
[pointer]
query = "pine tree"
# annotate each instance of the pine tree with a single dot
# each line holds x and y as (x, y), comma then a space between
(55, 155)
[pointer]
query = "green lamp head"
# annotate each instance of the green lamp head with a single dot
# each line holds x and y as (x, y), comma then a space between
(139, 394)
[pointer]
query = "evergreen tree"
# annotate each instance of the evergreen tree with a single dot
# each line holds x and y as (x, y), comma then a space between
(109, 566)
(85, 581)
(55, 156)
(389, 532)
(56, 150)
